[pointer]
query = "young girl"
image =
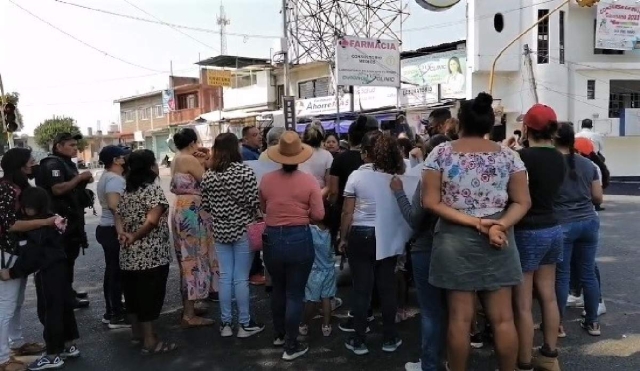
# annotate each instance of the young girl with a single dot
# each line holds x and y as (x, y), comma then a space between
(41, 252)
(321, 284)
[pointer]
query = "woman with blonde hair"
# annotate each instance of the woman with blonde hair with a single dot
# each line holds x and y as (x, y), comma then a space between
(320, 161)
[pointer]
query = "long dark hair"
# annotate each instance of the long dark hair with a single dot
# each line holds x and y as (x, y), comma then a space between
(566, 138)
(184, 137)
(225, 152)
(141, 163)
(12, 163)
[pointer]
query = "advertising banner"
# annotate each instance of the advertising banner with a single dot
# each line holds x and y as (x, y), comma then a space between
(168, 101)
(617, 25)
(372, 97)
(322, 105)
(219, 78)
(368, 62)
(446, 69)
(419, 96)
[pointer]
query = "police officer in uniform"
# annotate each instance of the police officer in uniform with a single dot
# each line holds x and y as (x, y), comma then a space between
(59, 175)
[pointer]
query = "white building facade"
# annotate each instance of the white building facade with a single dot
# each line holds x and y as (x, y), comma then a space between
(578, 80)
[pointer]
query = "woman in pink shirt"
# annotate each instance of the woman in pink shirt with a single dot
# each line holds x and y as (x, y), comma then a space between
(291, 200)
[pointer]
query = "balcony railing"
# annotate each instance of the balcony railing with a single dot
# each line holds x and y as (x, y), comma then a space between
(184, 115)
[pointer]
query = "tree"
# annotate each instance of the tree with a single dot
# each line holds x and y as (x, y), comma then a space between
(48, 129)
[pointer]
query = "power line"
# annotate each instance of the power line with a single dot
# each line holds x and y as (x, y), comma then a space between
(170, 26)
(198, 29)
(453, 23)
(83, 42)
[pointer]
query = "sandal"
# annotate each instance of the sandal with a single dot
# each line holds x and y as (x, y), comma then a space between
(29, 349)
(196, 322)
(160, 348)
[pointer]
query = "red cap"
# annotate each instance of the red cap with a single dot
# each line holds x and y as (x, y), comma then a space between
(584, 146)
(539, 116)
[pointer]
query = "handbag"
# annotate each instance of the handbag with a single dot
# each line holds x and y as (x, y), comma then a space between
(254, 232)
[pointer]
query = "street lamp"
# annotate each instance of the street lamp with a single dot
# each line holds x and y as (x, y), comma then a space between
(582, 3)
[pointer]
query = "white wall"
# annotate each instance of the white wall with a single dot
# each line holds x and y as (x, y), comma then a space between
(258, 95)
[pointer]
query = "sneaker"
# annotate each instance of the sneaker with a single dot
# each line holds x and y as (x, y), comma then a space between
(250, 329)
(602, 309)
(257, 280)
(226, 330)
(326, 330)
(370, 316)
(291, 354)
(477, 341)
(118, 322)
(391, 345)
(348, 326)
(106, 319)
(82, 295)
(592, 328)
(70, 352)
(544, 363)
(81, 303)
(278, 341)
(303, 330)
(46, 363)
(413, 366)
(575, 301)
(356, 346)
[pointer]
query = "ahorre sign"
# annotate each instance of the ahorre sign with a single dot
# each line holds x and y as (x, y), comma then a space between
(437, 5)
(368, 62)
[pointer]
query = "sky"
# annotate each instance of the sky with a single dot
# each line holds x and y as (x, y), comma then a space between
(101, 57)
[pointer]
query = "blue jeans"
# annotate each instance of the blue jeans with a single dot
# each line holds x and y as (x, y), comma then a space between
(581, 240)
(432, 312)
(288, 256)
(235, 262)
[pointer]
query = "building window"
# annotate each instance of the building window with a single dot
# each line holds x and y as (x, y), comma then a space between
(591, 89)
(314, 88)
(128, 116)
(145, 113)
(603, 51)
(623, 94)
(243, 81)
(187, 101)
(158, 111)
(543, 37)
(561, 42)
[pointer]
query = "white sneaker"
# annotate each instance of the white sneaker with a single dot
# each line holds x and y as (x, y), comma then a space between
(413, 366)
(226, 330)
(575, 301)
(602, 309)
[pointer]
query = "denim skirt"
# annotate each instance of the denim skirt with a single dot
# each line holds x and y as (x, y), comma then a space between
(463, 259)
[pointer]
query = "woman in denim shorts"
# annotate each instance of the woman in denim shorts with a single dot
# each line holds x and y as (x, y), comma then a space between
(539, 239)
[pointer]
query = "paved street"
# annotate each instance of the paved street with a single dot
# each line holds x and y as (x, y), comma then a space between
(204, 349)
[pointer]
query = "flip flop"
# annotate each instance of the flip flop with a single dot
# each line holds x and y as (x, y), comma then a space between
(160, 348)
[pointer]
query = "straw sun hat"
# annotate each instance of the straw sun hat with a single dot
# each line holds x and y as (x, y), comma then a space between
(290, 150)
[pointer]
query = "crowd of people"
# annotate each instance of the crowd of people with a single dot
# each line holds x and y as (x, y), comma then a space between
(496, 227)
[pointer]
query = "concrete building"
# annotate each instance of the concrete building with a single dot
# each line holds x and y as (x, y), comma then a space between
(573, 76)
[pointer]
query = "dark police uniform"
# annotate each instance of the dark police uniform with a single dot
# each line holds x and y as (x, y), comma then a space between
(54, 170)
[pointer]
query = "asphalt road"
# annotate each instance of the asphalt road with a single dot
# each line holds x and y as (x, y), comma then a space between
(204, 349)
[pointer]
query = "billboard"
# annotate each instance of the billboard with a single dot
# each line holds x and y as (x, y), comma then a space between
(368, 62)
(617, 25)
(219, 78)
(446, 69)
(168, 101)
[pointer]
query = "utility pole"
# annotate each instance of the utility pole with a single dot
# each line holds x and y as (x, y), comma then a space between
(285, 52)
(534, 86)
(223, 22)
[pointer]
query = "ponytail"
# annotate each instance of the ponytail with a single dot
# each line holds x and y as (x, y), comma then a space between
(572, 164)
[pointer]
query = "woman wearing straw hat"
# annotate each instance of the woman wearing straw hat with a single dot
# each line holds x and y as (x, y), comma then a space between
(290, 200)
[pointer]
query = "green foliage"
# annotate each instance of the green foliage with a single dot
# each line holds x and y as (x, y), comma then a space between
(48, 129)
(13, 97)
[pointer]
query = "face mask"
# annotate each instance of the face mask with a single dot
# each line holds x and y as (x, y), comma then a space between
(34, 171)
